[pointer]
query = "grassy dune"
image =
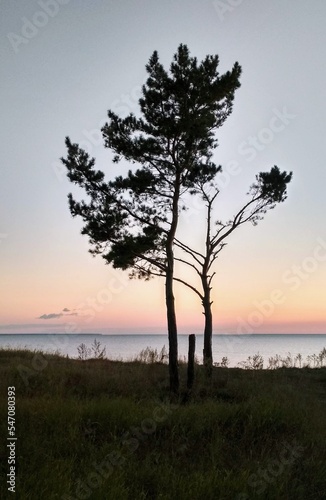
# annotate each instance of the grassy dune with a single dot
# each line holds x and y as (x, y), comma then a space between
(101, 429)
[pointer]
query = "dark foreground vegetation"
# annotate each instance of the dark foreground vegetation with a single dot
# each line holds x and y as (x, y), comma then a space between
(103, 429)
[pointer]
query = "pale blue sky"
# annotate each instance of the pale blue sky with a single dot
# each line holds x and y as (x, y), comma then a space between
(60, 74)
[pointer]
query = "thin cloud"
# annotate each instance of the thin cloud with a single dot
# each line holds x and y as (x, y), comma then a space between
(65, 312)
(50, 316)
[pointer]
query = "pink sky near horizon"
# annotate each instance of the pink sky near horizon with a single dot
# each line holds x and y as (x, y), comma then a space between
(134, 306)
(277, 290)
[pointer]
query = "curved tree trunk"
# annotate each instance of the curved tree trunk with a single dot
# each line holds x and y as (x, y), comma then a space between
(169, 295)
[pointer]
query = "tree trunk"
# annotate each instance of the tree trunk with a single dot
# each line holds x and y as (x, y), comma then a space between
(169, 295)
(191, 361)
(208, 330)
(207, 304)
(172, 331)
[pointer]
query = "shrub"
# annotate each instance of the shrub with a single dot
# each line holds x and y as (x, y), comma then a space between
(150, 355)
(255, 362)
(85, 352)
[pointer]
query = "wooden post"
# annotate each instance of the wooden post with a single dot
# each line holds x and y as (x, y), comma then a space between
(191, 361)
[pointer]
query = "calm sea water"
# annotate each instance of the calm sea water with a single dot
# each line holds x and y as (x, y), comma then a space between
(125, 347)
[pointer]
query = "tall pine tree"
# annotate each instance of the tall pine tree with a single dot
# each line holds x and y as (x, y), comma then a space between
(133, 221)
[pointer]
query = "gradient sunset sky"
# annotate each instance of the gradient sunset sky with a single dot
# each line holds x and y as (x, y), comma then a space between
(64, 64)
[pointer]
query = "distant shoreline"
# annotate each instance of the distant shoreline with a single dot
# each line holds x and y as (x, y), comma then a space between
(164, 334)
